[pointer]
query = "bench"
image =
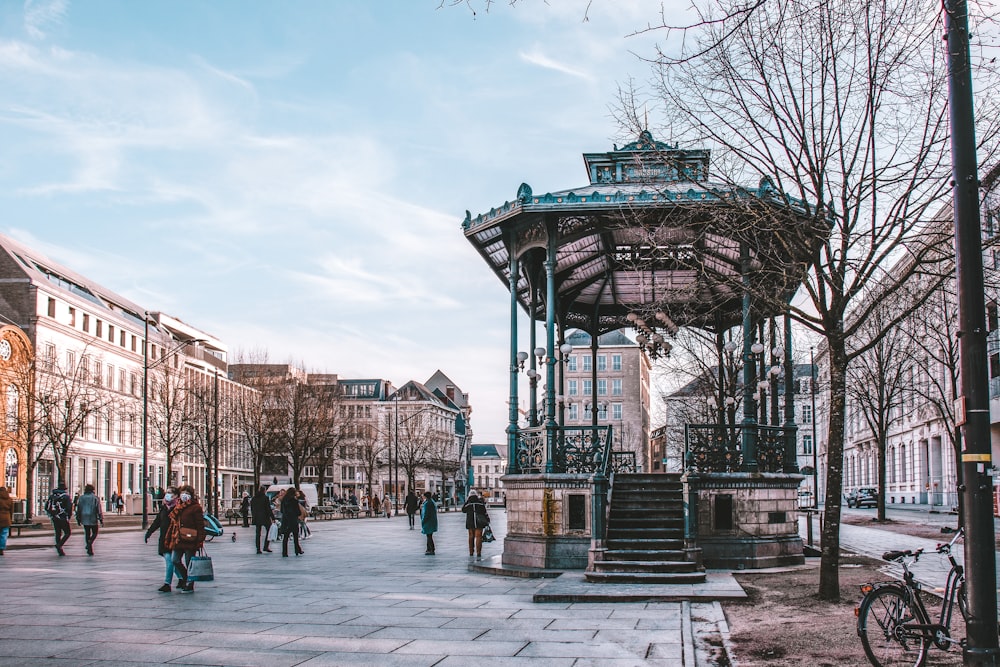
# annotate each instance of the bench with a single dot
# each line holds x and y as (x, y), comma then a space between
(233, 515)
(19, 526)
(322, 511)
(350, 511)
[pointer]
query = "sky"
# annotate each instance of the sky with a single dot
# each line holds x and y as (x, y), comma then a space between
(292, 177)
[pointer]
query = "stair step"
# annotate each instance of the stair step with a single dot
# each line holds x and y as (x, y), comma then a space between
(661, 544)
(645, 554)
(645, 566)
(652, 533)
(647, 521)
(646, 577)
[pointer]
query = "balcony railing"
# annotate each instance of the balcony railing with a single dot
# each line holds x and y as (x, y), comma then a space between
(715, 448)
(577, 449)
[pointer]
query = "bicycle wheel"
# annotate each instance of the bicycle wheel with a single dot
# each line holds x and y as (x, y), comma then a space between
(887, 644)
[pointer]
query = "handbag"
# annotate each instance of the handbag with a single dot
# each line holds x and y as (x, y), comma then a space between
(200, 567)
(188, 533)
(488, 534)
(272, 533)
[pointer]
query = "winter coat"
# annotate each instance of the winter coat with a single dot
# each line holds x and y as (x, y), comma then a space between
(412, 503)
(161, 523)
(185, 515)
(88, 510)
(260, 510)
(289, 512)
(428, 517)
(6, 511)
(476, 517)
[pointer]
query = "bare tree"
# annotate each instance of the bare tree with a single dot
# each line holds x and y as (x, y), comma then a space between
(69, 402)
(306, 420)
(168, 416)
(842, 106)
(875, 386)
(252, 419)
(414, 438)
(202, 408)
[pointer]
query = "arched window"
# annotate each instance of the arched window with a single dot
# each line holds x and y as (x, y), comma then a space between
(902, 463)
(10, 471)
(12, 408)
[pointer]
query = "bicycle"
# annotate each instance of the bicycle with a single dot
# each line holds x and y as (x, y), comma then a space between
(893, 623)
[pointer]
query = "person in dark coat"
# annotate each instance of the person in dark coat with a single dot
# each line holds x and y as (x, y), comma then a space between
(161, 523)
(412, 505)
(429, 521)
(185, 534)
(245, 509)
(263, 517)
(476, 519)
(290, 515)
(88, 515)
(59, 507)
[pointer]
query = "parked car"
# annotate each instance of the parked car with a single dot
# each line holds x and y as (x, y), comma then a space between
(863, 497)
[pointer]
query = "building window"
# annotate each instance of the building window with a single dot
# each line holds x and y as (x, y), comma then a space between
(572, 388)
(616, 362)
(588, 388)
(72, 316)
(807, 444)
(805, 385)
(602, 411)
(86, 323)
(602, 387)
(50, 356)
(111, 333)
(602, 362)
(70, 361)
(616, 411)
(807, 414)
(98, 328)
(13, 402)
(52, 307)
(574, 411)
(571, 364)
(587, 363)
(616, 387)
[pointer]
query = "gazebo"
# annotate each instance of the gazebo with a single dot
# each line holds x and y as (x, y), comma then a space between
(651, 243)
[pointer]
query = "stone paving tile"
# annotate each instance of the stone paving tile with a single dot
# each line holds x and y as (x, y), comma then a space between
(379, 660)
(593, 623)
(129, 636)
(346, 644)
(516, 661)
(448, 634)
(536, 634)
(39, 648)
(323, 630)
(474, 648)
(245, 658)
(229, 640)
(557, 649)
(109, 651)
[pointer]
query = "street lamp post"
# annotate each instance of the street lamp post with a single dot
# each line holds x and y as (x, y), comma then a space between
(812, 392)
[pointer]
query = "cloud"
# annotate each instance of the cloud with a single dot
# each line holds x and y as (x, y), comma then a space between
(541, 60)
(40, 14)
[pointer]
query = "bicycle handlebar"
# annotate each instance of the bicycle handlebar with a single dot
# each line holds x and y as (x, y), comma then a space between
(898, 555)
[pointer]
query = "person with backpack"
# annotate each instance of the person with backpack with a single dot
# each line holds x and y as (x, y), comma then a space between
(59, 507)
(88, 515)
(476, 520)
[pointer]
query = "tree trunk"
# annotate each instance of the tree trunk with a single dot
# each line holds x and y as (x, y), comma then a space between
(829, 573)
(880, 502)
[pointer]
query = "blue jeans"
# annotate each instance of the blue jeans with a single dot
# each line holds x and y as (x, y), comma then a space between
(169, 576)
(4, 532)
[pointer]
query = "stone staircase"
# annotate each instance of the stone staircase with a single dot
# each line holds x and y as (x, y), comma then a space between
(645, 538)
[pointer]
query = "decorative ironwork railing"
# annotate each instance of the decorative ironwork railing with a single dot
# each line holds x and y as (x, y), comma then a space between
(576, 449)
(714, 448)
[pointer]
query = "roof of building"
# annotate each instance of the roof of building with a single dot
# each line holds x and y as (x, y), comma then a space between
(485, 451)
(651, 233)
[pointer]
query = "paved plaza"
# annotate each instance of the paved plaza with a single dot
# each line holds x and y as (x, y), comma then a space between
(364, 593)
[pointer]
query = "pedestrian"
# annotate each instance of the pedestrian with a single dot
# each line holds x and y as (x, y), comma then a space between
(89, 515)
(113, 503)
(387, 506)
(185, 534)
(304, 531)
(290, 514)
(412, 505)
(59, 507)
(6, 517)
(121, 504)
(263, 517)
(245, 509)
(162, 524)
(476, 519)
(429, 521)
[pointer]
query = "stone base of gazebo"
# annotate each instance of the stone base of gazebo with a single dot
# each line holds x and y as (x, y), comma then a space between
(548, 521)
(744, 520)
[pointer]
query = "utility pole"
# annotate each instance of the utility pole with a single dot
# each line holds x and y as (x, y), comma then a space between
(973, 411)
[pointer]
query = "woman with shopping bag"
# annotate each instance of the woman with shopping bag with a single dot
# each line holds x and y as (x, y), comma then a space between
(185, 534)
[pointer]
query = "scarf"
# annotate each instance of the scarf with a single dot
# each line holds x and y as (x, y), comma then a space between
(173, 535)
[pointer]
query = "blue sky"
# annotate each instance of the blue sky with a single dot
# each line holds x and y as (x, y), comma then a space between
(293, 176)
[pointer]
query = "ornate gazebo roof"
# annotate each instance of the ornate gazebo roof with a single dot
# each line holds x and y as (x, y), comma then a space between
(651, 235)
